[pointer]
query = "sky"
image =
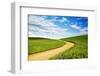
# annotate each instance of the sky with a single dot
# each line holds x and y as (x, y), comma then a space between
(56, 27)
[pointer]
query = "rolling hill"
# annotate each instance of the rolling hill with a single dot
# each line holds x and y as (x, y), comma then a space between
(80, 50)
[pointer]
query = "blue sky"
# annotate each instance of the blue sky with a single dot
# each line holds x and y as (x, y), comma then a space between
(57, 27)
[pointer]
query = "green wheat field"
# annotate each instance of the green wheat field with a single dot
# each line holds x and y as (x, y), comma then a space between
(79, 51)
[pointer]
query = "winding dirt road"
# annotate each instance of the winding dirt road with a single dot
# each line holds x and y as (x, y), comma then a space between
(50, 53)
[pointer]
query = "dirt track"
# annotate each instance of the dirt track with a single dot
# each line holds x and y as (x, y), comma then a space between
(50, 53)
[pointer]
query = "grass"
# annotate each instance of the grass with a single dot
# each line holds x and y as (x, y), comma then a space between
(80, 50)
(36, 45)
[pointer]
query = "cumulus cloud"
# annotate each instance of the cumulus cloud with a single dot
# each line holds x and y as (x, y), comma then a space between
(63, 19)
(82, 30)
(75, 27)
(44, 27)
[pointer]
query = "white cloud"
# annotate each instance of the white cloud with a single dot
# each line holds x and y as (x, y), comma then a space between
(63, 19)
(41, 27)
(30, 33)
(82, 30)
(75, 27)
(40, 21)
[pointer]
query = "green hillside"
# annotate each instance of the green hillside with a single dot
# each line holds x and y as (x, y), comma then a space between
(80, 50)
(36, 44)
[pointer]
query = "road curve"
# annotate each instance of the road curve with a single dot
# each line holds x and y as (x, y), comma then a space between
(50, 53)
